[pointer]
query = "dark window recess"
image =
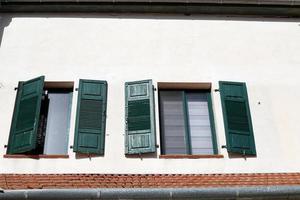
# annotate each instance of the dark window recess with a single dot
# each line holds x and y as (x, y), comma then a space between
(41, 132)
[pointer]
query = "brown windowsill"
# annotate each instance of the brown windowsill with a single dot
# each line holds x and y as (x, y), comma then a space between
(178, 156)
(34, 156)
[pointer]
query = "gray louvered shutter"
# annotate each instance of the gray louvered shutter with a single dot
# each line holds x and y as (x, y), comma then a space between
(237, 118)
(91, 117)
(139, 116)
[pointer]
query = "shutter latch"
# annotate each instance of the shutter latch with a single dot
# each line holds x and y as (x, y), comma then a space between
(224, 147)
(244, 154)
(217, 90)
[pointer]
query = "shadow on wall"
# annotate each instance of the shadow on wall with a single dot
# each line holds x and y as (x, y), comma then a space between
(4, 22)
(5, 19)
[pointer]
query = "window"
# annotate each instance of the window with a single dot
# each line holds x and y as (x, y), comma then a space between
(186, 119)
(41, 119)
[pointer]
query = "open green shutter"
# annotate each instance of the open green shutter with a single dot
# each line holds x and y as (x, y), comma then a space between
(237, 118)
(139, 116)
(91, 117)
(23, 133)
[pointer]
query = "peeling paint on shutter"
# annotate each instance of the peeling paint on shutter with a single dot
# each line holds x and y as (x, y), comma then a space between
(139, 117)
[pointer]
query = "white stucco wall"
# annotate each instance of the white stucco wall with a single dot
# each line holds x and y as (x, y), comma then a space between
(117, 48)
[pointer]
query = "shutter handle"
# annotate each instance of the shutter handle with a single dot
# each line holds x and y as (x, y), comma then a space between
(224, 147)
(217, 90)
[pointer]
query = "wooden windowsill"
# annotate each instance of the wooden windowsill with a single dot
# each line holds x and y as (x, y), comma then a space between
(34, 156)
(178, 156)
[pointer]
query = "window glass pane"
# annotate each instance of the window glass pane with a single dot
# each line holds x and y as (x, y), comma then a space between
(172, 122)
(57, 131)
(200, 130)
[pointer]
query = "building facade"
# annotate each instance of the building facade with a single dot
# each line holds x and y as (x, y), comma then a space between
(149, 93)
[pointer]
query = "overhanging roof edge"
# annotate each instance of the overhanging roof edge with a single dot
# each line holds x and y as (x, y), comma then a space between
(144, 6)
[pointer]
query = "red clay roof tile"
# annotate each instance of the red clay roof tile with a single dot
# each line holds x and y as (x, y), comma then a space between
(39, 181)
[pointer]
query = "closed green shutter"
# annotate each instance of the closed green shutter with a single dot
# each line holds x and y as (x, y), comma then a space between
(23, 133)
(139, 116)
(237, 118)
(91, 117)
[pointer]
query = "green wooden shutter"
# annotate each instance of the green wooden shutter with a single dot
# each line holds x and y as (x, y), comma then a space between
(139, 117)
(237, 118)
(25, 121)
(91, 117)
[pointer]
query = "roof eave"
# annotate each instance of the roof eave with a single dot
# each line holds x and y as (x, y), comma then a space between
(154, 6)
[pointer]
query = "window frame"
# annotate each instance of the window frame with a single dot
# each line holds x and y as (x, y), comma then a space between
(184, 87)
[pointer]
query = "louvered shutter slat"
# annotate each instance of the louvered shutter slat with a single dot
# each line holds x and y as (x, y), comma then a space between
(91, 117)
(25, 121)
(237, 118)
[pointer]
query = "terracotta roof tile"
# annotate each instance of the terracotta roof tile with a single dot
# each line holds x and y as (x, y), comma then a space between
(39, 181)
